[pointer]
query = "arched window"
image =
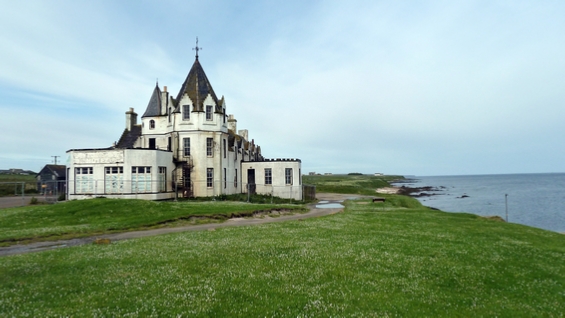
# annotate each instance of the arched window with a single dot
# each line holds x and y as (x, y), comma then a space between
(151, 124)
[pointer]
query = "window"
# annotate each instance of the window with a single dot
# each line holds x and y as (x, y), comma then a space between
(225, 178)
(225, 148)
(185, 112)
(288, 175)
(114, 180)
(152, 144)
(268, 176)
(84, 180)
(209, 147)
(210, 177)
(235, 179)
(162, 179)
(186, 143)
(170, 114)
(208, 112)
(140, 179)
(151, 124)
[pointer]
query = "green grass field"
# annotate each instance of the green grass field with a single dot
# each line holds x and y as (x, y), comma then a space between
(372, 260)
(355, 184)
(88, 217)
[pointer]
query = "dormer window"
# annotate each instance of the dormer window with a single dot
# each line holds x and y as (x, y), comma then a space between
(151, 124)
(185, 112)
(208, 112)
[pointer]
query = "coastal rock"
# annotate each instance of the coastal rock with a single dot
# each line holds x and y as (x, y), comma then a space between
(494, 218)
(418, 191)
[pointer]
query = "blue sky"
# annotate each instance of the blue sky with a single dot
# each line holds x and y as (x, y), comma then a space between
(413, 87)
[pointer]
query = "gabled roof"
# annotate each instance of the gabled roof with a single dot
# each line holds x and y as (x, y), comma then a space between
(129, 137)
(60, 171)
(154, 106)
(197, 87)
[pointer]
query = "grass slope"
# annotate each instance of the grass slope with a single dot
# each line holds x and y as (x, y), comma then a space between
(400, 259)
(88, 217)
(349, 184)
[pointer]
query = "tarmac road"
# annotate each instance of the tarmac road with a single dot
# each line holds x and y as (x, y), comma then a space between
(15, 201)
(329, 198)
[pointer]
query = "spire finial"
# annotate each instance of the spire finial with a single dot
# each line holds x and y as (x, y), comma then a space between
(197, 48)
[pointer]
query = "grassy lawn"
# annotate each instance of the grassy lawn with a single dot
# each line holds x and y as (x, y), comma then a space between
(89, 217)
(400, 259)
(350, 184)
(8, 186)
(397, 259)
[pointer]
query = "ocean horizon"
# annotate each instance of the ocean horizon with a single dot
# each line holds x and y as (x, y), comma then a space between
(532, 199)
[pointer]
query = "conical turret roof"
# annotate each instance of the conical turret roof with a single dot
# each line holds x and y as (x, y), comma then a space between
(197, 87)
(154, 106)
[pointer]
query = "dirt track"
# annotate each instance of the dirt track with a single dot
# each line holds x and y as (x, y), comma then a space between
(331, 198)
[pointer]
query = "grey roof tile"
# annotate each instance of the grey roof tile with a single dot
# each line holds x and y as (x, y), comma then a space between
(154, 106)
(197, 87)
(129, 138)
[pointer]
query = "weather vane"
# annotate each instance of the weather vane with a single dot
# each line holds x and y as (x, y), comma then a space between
(197, 48)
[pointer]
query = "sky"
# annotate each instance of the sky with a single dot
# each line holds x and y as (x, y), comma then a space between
(394, 87)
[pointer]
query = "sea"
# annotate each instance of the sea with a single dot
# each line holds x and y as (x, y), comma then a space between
(536, 200)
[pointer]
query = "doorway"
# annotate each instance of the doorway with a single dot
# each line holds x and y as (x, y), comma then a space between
(251, 181)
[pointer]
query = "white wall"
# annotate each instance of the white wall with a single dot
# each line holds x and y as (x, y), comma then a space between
(278, 187)
(99, 159)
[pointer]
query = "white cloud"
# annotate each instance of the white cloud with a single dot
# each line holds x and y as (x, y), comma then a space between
(422, 88)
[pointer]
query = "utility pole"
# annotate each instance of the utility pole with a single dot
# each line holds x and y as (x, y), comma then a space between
(506, 199)
(55, 159)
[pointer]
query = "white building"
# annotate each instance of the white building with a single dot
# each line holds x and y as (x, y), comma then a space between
(185, 145)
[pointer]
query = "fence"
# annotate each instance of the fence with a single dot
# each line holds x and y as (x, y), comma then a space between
(309, 192)
(52, 191)
(18, 193)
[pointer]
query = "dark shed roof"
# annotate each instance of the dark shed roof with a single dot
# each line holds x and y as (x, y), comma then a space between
(59, 171)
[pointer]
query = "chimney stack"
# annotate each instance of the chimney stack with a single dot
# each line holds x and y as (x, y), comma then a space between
(232, 123)
(243, 133)
(131, 119)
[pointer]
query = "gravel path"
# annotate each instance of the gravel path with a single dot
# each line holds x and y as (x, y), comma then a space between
(315, 210)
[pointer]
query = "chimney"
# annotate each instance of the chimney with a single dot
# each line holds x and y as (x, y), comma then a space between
(232, 123)
(131, 119)
(243, 133)
(165, 89)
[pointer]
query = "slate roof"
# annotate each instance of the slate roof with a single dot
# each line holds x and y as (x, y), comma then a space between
(197, 87)
(129, 137)
(154, 106)
(60, 171)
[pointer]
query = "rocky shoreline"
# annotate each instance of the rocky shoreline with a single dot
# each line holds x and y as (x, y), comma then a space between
(416, 192)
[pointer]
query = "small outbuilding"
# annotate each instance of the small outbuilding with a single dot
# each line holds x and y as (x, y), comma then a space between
(52, 179)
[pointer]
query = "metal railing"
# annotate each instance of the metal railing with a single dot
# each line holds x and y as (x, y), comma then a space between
(52, 191)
